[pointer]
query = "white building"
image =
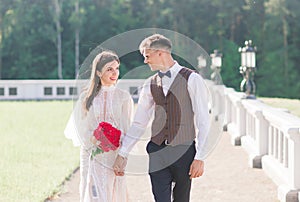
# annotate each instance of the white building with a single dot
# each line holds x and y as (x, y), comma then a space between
(56, 89)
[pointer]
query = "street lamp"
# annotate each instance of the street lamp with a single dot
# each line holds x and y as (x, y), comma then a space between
(201, 62)
(216, 63)
(202, 66)
(247, 69)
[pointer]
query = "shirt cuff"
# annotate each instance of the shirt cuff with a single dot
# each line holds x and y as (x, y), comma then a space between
(199, 156)
(122, 152)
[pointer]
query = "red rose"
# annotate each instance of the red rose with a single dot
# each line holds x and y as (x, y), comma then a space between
(108, 136)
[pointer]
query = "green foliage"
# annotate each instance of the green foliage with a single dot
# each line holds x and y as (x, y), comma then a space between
(28, 35)
(230, 68)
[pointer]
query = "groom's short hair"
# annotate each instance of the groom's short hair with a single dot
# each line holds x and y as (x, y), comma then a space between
(156, 42)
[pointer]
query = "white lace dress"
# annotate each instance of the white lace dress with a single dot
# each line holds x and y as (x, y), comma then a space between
(98, 182)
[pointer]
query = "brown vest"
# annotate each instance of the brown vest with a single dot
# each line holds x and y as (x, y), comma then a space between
(174, 116)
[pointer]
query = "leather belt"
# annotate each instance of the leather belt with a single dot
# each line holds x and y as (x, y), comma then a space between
(186, 143)
(166, 142)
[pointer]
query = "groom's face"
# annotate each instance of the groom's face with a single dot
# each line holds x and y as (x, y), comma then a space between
(152, 57)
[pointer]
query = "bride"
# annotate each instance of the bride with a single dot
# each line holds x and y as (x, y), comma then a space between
(101, 101)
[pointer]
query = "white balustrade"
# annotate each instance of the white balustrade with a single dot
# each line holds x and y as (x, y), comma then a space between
(218, 100)
(236, 126)
(228, 106)
(271, 137)
(282, 163)
(255, 141)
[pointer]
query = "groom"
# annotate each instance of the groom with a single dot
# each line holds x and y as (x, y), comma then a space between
(177, 97)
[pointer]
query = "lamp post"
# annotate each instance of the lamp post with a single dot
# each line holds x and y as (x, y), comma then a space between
(202, 66)
(247, 69)
(216, 63)
(201, 61)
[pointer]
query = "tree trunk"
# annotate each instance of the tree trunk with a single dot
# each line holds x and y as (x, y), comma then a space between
(58, 36)
(77, 41)
(1, 41)
(232, 27)
(220, 34)
(285, 49)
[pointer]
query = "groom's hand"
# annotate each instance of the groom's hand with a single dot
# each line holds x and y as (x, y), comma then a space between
(119, 165)
(196, 169)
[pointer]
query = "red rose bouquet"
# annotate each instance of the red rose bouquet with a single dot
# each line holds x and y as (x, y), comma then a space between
(106, 137)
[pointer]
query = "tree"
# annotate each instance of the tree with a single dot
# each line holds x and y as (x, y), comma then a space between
(49, 39)
(77, 40)
(5, 9)
(76, 21)
(56, 17)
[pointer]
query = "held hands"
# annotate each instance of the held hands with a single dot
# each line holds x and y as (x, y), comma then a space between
(119, 165)
(196, 169)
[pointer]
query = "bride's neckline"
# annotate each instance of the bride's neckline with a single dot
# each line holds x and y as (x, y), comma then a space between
(108, 88)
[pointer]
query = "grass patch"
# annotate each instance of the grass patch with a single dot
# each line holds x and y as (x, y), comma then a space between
(293, 105)
(35, 155)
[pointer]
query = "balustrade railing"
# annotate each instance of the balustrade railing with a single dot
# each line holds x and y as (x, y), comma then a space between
(271, 137)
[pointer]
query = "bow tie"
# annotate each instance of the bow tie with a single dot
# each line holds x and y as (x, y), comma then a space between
(161, 75)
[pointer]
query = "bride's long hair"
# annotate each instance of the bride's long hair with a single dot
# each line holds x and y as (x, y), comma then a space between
(94, 85)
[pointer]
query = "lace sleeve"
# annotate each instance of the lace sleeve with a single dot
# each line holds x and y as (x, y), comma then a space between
(77, 128)
(72, 131)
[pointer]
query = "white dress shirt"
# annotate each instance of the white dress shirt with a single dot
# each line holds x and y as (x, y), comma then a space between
(198, 94)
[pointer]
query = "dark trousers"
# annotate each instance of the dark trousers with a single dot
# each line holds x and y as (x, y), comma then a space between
(167, 165)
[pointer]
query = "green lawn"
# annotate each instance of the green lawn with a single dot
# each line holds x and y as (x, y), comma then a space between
(293, 105)
(35, 155)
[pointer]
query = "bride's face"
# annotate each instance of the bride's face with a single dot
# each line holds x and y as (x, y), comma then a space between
(109, 73)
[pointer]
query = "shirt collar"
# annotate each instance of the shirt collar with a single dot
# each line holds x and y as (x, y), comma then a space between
(175, 69)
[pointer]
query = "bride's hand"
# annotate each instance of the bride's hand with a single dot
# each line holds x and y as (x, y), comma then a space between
(119, 165)
(93, 140)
